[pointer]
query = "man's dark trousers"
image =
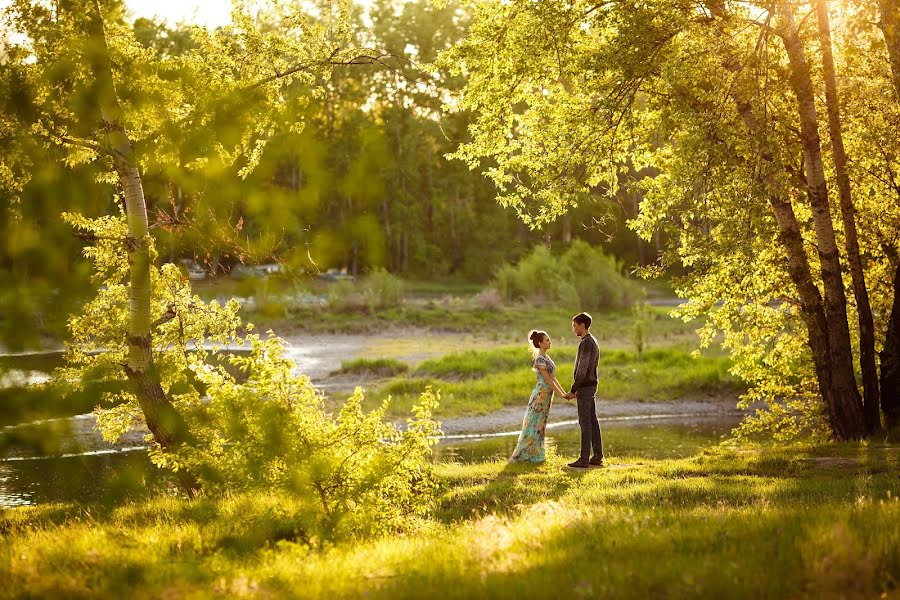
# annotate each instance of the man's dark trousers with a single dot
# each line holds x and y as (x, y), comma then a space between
(587, 420)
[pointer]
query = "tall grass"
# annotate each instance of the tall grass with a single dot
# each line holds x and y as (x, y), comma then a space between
(750, 522)
(376, 367)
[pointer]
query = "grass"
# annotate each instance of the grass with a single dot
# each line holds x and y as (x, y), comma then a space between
(743, 522)
(375, 367)
(483, 381)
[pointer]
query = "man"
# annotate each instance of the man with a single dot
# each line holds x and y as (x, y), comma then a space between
(583, 390)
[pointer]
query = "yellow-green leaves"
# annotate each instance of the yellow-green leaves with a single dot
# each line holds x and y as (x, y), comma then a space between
(220, 99)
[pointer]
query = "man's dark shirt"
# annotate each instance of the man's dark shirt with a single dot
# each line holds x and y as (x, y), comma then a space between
(586, 364)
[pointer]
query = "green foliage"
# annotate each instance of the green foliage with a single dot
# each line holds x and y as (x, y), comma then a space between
(378, 290)
(642, 322)
(649, 104)
(379, 367)
(598, 278)
(581, 278)
(540, 278)
(382, 290)
(353, 173)
(356, 473)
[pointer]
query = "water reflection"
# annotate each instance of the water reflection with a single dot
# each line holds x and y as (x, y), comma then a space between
(105, 478)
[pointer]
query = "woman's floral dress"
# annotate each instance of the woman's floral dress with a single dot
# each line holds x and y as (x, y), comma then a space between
(531, 441)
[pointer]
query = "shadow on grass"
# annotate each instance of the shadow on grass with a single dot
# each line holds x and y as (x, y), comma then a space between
(506, 491)
(694, 554)
(796, 530)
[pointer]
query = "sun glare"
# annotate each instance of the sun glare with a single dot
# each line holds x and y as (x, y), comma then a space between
(211, 13)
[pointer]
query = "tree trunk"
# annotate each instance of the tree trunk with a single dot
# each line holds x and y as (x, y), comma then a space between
(567, 229)
(810, 299)
(890, 354)
(848, 216)
(791, 238)
(890, 27)
(848, 421)
(164, 421)
(890, 363)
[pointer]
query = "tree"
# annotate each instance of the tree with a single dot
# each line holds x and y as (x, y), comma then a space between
(848, 216)
(889, 24)
(720, 101)
(96, 93)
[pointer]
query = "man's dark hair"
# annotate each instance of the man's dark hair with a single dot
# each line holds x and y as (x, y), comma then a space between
(583, 319)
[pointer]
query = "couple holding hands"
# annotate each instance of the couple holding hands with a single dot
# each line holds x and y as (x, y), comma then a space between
(530, 447)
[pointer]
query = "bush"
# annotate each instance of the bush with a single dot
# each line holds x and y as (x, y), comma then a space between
(378, 290)
(382, 290)
(354, 473)
(598, 278)
(357, 473)
(343, 296)
(379, 367)
(583, 277)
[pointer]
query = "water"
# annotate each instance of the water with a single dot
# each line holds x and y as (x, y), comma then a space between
(106, 478)
(118, 476)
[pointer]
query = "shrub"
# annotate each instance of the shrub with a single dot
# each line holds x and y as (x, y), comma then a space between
(378, 290)
(343, 296)
(640, 327)
(598, 278)
(539, 277)
(379, 367)
(358, 473)
(354, 472)
(382, 289)
(583, 277)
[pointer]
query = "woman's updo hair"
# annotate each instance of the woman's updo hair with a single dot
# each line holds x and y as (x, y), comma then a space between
(537, 336)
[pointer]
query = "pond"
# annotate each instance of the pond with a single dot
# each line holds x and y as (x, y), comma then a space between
(118, 476)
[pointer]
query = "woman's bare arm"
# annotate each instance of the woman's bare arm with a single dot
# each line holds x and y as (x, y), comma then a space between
(554, 384)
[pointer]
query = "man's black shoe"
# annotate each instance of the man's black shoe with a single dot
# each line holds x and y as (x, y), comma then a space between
(596, 461)
(579, 464)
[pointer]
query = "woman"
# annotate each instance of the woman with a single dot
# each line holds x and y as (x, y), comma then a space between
(531, 441)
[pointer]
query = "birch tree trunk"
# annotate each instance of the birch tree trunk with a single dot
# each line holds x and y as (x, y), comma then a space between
(810, 299)
(848, 422)
(791, 238)
(848, 216)
(164, 421)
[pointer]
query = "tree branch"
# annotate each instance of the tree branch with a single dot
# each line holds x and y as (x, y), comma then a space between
(360, 59)
(165, 317)
(62, 139)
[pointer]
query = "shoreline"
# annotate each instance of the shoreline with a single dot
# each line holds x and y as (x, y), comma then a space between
(78, 435)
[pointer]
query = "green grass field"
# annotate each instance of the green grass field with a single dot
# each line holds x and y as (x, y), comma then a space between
(743, 522)
(483, 381)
